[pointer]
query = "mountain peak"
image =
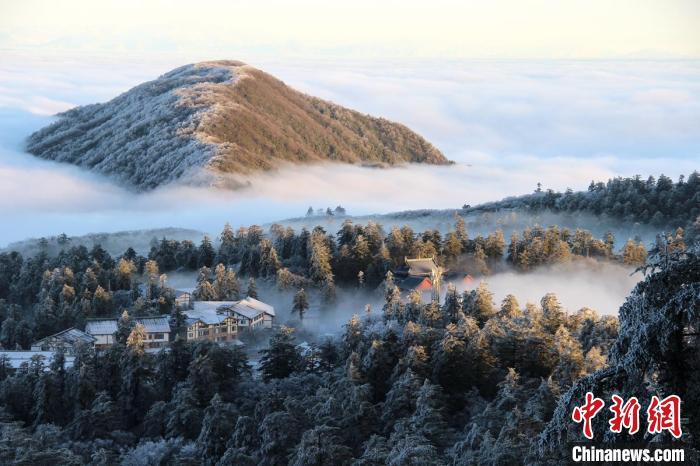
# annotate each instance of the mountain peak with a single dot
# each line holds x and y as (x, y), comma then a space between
(217, 121)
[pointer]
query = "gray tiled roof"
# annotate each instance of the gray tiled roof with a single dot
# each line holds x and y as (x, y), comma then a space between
(70, 336)
(251, 307)
(159, 324)
(207, 315)
(101, 327)
(247, 307)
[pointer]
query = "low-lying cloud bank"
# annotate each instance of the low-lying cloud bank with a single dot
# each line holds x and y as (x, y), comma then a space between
(508, 125)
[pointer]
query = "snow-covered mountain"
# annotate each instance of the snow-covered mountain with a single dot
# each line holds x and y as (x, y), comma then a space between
(205, 122)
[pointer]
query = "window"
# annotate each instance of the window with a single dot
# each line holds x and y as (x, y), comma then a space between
(158, 336)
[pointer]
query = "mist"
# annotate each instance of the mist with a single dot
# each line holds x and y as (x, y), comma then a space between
(598, 285)
(507, 125)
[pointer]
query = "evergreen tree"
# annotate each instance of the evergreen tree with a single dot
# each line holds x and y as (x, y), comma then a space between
(301, 303)
(205, 291)
(479, 304)
(252, 291)
(206, 253)
(136, 341)
(510, 309)
(219, 421)
(124, 327)
(453, 305)
(227, 249)
(281, 358)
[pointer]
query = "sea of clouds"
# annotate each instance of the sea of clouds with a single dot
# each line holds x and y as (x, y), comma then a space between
(506, 124)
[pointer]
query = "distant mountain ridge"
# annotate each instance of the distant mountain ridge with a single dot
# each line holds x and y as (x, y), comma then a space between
(202, 122)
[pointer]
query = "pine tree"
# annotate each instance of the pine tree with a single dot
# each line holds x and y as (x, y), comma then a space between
(252, 291)
(136, 340)
(206, 253)
(281, 358)
(125, 271)
(571, 360)
(495, 245)
(151, 274)
(480, 260)
(321, 445)
(510, 309)
(452, 247)
(461, 230)
(218, 423)
(225, 286)
(480, 304)
(553, 313)
(301, 303)
(124, 326)
(205, 290)
(227, 249)
(102, 302)
(392, 305)
(269, 261)
(428, 419)
(453, 305)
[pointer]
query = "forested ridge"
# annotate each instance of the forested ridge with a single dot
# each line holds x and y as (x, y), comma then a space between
(465, 381)
(659, 202)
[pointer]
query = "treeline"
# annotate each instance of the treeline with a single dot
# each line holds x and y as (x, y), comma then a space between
(467, 382)
(363, 254)
(660, 202)
(44, 294)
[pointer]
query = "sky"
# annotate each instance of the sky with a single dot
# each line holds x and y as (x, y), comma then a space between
(515, 92)
(572, 29)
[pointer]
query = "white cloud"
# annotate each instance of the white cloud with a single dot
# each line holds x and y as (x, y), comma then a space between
(507, 124)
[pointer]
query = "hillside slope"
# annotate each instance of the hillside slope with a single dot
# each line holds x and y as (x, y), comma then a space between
(199, 122)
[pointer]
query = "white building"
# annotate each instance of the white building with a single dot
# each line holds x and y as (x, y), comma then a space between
(222, 320)
(208, 323)
(157, 331)
(253, 313)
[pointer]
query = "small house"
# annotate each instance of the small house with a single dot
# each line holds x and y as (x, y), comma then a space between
(422, 274)
(67, 340)
(157, 331)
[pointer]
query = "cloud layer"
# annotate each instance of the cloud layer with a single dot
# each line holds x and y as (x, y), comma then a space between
(508, 125)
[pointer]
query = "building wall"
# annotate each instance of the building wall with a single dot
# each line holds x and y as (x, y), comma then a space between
(225, 331)
(55, 345)
(103, 341)
(157, 339)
